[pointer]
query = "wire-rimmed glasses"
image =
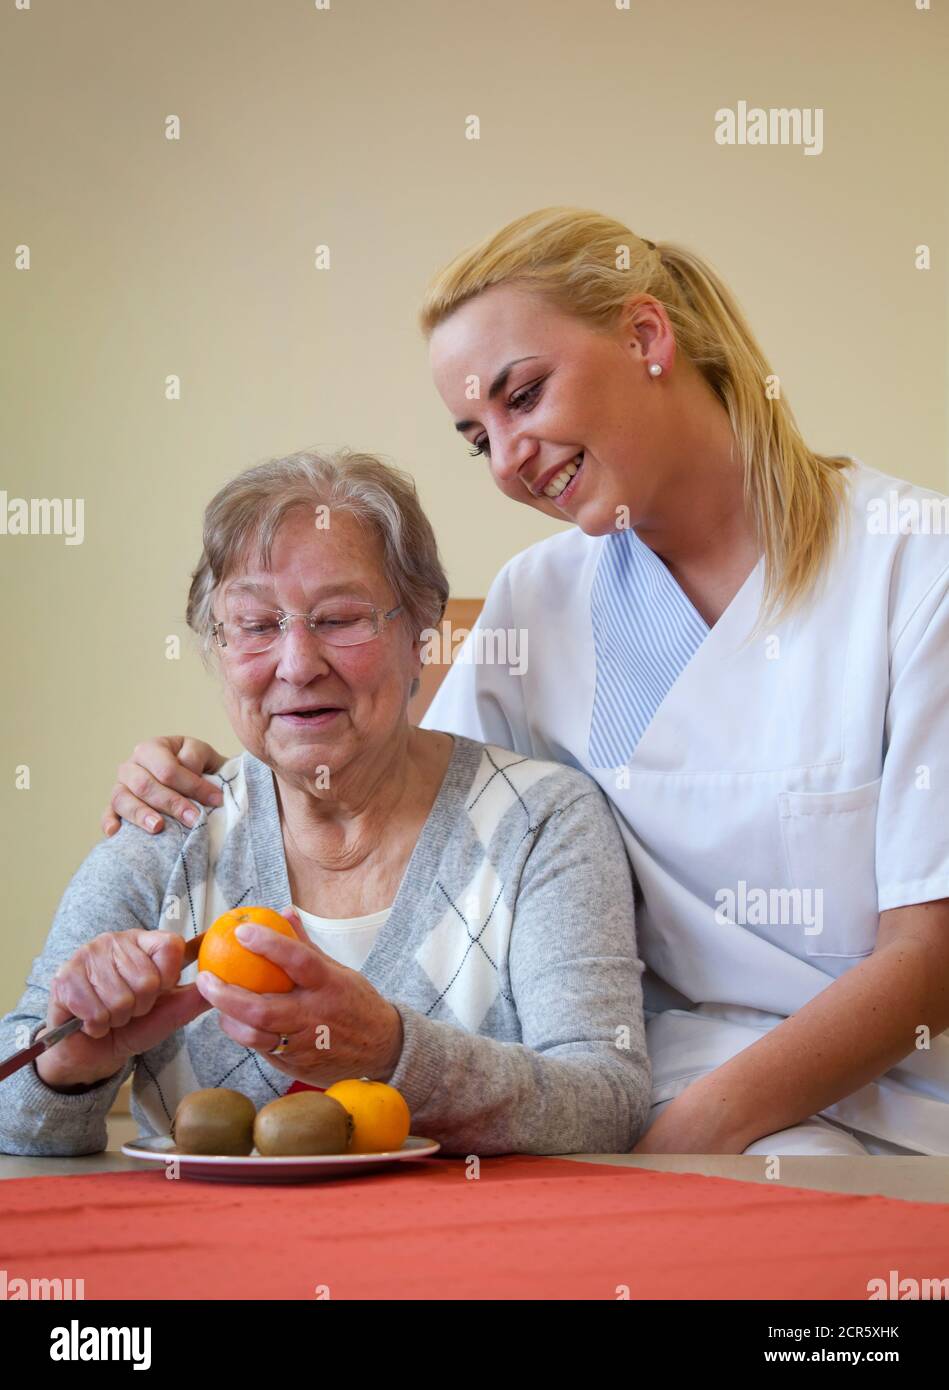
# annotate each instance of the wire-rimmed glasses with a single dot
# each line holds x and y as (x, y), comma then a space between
(250, 628)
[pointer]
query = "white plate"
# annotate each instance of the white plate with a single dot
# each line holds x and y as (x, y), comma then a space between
(160, 1149)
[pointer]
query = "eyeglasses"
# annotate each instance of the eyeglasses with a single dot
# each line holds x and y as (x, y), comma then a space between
(343, 623)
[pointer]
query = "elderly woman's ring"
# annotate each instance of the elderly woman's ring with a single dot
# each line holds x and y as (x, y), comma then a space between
(282, 1046)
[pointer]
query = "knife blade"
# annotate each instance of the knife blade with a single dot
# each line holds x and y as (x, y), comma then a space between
(65, 1029)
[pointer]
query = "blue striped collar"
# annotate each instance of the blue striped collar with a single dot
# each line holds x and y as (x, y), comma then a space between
(645, 633)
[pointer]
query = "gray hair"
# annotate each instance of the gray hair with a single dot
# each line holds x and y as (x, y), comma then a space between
(242, 520)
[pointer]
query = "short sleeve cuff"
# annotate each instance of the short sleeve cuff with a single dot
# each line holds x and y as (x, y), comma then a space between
(920, 890)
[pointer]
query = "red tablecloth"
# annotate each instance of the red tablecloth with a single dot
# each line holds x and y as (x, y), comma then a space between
(529, 1227)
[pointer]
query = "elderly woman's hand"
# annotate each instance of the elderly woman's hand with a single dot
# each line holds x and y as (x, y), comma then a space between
(337, 1024)
(124, 986)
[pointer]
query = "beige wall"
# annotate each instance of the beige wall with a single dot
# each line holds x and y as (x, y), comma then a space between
(346, 126)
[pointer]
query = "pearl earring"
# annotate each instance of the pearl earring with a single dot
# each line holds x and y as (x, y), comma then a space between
(655, 369)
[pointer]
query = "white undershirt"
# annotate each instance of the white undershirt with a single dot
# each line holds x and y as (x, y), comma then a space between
(347, 939)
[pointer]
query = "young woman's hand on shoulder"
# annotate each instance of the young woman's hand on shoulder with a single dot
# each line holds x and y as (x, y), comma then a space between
(159, 777)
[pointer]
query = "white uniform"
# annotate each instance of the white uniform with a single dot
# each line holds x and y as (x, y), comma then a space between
(775, 795)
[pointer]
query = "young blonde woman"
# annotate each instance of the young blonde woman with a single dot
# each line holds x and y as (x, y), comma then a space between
(746, 644)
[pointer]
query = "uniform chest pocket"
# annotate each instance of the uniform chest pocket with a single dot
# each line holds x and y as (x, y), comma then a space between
(830, 846)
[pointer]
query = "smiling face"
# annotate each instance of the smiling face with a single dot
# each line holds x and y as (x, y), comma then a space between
(304, 703)
(570, 419)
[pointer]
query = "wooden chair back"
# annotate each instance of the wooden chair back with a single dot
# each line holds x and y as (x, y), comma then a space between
(460, 617)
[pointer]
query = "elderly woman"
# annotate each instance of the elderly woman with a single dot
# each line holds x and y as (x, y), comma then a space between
(463, 915)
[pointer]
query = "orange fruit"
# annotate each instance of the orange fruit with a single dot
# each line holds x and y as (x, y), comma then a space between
(381, 1117)
(222, 954)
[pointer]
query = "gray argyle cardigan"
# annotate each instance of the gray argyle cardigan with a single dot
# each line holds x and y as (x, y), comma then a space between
(509, 952)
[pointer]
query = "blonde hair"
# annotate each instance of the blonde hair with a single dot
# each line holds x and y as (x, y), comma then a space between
(589, 265)
(243, 518)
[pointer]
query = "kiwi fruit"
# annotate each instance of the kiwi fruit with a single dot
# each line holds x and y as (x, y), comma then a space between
(215, 1121)
(307, 1122)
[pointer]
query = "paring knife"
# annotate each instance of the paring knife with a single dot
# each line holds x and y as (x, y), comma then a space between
(63, 1030)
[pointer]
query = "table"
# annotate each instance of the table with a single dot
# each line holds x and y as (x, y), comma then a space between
(577, 1227)
(914, 1179)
